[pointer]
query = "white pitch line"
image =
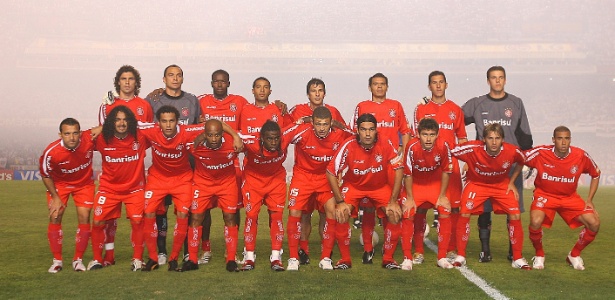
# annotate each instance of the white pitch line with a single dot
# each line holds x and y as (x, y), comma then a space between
(472, 277)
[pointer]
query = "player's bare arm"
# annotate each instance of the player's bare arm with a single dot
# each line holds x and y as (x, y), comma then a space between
(237, 142)
(342, 209)
(593, 188)
(393, 210)
(442, 199)
(408, 205)
(282, 106)
(155, 94)
(56, 205)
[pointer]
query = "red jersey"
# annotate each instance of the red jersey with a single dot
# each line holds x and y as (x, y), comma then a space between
(560, 176)
(262, 163)
(68, 168)
(449, 117)
(226, 110)
(312, 154)
(170, 155)
(253, 117)
(366, 168)
(390, 116)
(214, 164)
(426, 166)
(141, 108)
(484, 168)
(123, 170)
(304, 110)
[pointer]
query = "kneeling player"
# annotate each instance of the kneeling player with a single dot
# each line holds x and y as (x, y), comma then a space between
(489, 162)
(427, 167)
(559, 167)
(66, 168)
(367, 159)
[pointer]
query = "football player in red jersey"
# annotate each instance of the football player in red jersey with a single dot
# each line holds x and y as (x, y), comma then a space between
(559, 167)
(367, 159)
(127, 83)
(427, 169)
(316, 91)
(66, 168)
(450, 119)
(489, 163)
(122, 181)
(392, 124)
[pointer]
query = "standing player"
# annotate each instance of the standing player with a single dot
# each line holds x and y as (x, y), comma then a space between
(122, 181)
(227, 108)
(264, 182)
(427, 168)
(316, 92)
(254, 115)
(127, 83)
(392, 123)
(66, 168)
(169, 175)
(214, 183)
(508, 111)
(315, 145)
(489, 163)
(559, 167)
(190, 112)
(366, 159)
(452, 130)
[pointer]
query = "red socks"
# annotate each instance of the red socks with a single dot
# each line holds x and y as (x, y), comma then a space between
(367, 230)
(407, 231)
(444, 235)
(55, 236)
(179, 235)
(231, 235)
(82, 239)
(194, 238)
(515, 234)
(150, 235)
(294, 235)
(585, 238)
(419, 232)
(276, 227)
(329, 234)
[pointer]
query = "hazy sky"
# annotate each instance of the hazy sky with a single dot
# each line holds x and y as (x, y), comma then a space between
(60, 56)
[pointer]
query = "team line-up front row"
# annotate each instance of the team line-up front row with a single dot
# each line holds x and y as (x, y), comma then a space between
(335, 170)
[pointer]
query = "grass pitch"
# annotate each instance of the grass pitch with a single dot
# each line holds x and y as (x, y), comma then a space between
(25, 258)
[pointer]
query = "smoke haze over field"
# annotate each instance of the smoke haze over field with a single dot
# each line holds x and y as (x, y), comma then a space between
(59, 57)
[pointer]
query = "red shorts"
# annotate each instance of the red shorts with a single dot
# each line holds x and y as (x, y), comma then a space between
(221, 193)
(379, 197)
(569, 207)
(109, 206)
(82, 195)
(271, 192)
(308, 191)
(426, 196)
(180, 189)
(474, 196)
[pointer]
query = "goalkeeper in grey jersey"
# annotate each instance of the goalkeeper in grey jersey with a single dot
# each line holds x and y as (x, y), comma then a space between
(508, 111)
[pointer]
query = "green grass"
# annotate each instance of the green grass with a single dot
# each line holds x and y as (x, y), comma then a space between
(25, 258)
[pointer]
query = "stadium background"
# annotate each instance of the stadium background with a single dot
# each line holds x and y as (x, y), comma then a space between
(59, 58)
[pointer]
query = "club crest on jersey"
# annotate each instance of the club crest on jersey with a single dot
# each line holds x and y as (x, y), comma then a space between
(230, 155)
(437, 158)
(140, 111)
(135, 146)
(378, 158)
(88, 154)
(508, 112)
(274, 118)
(98, 210)
(179, 147)
(392, 113)
(335, 146)
(185, 111)
(506, 164)
(233, 107)
(452, 115)
(574, 169)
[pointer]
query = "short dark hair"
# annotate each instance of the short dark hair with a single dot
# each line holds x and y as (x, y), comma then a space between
(108, 129)
(321, 112)
(366, 117)
(135, 73)
(167, 109)
(493, 127)
(428, 124)
(261, 78)
(496, 68)
(315, 81)
(561, 128)
(270, 126)
(435, 73)
(220, 71)
(172, 66)
(70, 122)
(379, 75)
